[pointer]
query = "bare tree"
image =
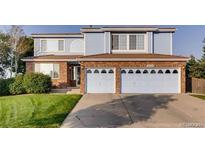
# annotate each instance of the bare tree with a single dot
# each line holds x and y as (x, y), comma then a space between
(15, 33)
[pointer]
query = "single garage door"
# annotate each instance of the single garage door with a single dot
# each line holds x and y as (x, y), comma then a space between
(150, 80)
(100, 80)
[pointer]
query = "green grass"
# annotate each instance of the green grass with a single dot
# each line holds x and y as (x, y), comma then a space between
(199, 96)
(36, 111)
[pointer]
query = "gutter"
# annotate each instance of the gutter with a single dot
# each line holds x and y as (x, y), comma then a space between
(48, 60)
(131, 59)
(106, 59)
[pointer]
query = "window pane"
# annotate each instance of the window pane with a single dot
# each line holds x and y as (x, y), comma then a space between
(138, 72)
(167, 72)
(122, 42)
(43, 45)
(175, 72)
(132, 40)
(160, 72)
(96, 71)
(56, 71)
(103, 71)
(140, 42)
(145, 72)
(130, 72)
(123, 72)
(89, 71)
(111, 71)
(115, 42)
(37, 68)
(60, 45)
(46, 69)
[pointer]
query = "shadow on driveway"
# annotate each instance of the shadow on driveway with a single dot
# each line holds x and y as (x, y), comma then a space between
(124, 110)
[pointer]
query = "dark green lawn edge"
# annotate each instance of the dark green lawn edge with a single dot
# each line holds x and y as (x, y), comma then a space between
(200, 96)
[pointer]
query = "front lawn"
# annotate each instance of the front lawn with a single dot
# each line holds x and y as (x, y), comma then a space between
(40, 110)
(199, 96)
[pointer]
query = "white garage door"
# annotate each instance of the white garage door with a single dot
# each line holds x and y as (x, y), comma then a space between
(150, 80)
(100, 80)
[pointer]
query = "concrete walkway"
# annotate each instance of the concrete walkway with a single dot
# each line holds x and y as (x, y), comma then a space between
(142, 110)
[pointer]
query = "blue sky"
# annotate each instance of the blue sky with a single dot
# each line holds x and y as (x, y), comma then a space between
(187, 39)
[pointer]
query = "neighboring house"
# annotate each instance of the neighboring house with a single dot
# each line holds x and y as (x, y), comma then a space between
(110, 60)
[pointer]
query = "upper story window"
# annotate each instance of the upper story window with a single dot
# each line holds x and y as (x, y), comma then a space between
(129, 42)
(43, 45)
(60, 45)
(52, 45)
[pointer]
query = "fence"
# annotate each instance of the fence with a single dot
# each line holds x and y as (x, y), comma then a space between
(195, 85)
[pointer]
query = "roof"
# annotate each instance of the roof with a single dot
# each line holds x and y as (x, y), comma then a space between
(57, 35)
(129, 29)
(103, 29)
(52, 58)
(108, 57)
(133, 57)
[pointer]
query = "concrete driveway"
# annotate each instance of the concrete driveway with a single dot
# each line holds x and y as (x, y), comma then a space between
(142, 110)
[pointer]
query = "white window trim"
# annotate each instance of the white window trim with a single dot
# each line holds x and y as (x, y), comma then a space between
(52, 70)
(132, 51)
(57, 46)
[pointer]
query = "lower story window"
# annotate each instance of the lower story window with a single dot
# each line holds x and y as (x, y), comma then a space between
(53, 70)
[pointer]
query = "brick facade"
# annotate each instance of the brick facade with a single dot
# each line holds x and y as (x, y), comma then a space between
(119, 65)
(65, 77)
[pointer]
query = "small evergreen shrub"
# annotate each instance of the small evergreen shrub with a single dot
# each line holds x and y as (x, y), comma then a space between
(4, 86)
(17, 86)
(37, 83)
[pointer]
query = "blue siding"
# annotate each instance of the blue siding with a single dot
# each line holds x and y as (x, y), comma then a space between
(162, 43)
(94, 43)
(150, 42)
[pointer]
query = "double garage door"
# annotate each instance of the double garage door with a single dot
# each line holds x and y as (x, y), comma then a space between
(136, 80)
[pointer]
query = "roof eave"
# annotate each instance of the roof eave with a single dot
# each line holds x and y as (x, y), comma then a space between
(57, 36)
(127, 29)
(48, 60)
(132, 59)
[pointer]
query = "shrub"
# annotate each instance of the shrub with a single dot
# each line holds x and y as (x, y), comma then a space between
(17, 86)
(4, 86)
(37, 83)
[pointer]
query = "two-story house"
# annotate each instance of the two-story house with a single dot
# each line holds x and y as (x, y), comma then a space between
(110, 60)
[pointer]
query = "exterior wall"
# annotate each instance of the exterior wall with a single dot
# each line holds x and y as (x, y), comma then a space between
(95, 43)
(107, 40)
(64, 80)
(150, 42)
(162, 43)
(72, 46)
(119, 65)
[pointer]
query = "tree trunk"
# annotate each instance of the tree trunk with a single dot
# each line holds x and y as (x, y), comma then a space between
(12, 62)
(16, 64)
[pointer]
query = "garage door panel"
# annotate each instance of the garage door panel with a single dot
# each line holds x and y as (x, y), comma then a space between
(151, 82)
(102, 82)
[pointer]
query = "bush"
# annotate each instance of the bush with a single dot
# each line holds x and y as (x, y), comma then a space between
(4, 86)
(17, 86)
(37, 83)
